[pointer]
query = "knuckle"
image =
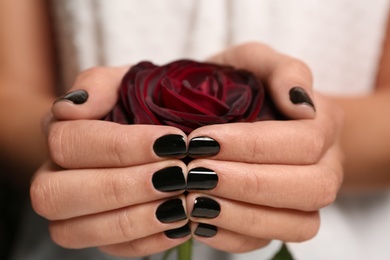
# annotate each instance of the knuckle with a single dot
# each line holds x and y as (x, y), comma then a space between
(37, 196)
(329, 189)
(41, 193)
(246, 244)
(326, 190)
(117, 189)
(59, 235)
(247, 49)
(309, 228)
(55, 143)
(125, 226)
(316, 145)
(254, 144)
(298, 67)
(116, 143)
(138, 248)
(120, 147)
(130, 249)
(252, 186)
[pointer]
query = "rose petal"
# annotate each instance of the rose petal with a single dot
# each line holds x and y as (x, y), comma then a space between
(239, 99)
(212, 104)
(163, 113)
(178, 116)
(174, 101)
(118, 115)
(222, 81)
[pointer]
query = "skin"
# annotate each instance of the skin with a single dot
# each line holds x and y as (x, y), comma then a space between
(99, 198)
(26, 80)
(314, 156)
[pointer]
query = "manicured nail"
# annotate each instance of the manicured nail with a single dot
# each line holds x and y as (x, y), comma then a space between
(178, 232)
(77, 97)
(170, 146)
(205, 208)
(206, 230)
(203, 146)
(299, 96)
(201, 178)
(169, 179)
(171, 211)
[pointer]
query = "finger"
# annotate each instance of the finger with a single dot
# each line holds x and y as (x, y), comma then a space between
(73, 145)
(307, 188)
(273, 142)
(71, 193)
(269, 142)
(120, 226)
(226, 240)
(289, 81)
(92, 96)
(145, 246)
(252, 220)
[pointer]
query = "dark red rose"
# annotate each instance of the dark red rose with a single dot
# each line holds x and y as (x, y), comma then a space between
(189, 94)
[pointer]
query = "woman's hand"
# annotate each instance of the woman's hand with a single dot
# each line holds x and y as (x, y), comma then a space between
(273, 176)
(99, 189)
(116, 187)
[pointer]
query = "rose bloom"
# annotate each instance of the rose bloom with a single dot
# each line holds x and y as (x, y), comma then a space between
(187, 94)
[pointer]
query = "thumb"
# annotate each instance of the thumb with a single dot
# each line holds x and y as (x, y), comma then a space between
(290, 87)
(92, 96)
(288, 80)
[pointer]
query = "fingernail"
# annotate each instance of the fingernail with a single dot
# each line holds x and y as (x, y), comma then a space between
(171, 211)
(206, 230)
(170, 146)
(299, 96)
(203, 146)
(77, 97)
(169, 179)
(201, 178)
(205, 208)
(178, 232)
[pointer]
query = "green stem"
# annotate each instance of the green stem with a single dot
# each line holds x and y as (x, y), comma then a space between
(283, 254)
(184, 251)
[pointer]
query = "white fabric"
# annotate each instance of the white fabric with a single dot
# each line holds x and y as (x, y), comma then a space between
(339, 39)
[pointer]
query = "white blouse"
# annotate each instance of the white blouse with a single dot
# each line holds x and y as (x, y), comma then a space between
(339, 39)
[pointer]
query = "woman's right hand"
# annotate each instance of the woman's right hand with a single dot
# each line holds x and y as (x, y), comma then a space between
(103, 186)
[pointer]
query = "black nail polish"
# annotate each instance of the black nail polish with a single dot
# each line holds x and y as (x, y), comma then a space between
(206, 230)
(169, 179)
(77, 97)
(205, 208)
(201, 178)
(299, 96)
(178, 232)
(171, 211)
(203, 146)
(170, 146)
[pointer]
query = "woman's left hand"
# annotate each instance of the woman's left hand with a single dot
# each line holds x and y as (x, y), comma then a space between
(273, 176)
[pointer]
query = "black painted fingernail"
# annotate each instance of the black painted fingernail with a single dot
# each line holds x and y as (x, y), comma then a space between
(299, 96)
(77, 97)
(169, 179)
(203, 146)
(170, 146)
(178, 232)
(201, 178)
(171, 211)
(205, 208)
(206, 230)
